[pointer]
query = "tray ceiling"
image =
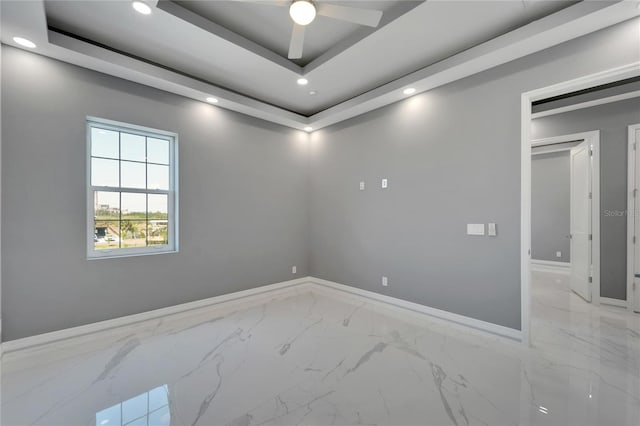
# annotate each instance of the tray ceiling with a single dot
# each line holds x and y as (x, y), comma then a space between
(236, 50)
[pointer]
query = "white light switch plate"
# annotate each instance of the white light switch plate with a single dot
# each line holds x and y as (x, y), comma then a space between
(361, 186)
(492, 230)
(475, 228)
(385, 184)
(385, 281)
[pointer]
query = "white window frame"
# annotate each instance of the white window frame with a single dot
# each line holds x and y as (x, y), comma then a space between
(172, 210)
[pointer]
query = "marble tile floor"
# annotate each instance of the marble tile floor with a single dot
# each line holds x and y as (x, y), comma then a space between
(326, 358)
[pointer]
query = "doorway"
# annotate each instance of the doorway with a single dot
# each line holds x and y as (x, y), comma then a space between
(582, 210)
(633, 220)
(587, 82)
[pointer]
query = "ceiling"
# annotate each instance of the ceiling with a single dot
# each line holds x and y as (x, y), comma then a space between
(262, 23)
(237, 50)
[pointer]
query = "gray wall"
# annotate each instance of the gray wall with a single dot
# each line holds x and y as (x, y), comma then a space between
(243, 205)
(550, 206)
(612, 121)
(252, 205)
(452, 156)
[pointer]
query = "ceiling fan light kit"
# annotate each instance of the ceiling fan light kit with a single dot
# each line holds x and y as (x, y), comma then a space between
(302, 12)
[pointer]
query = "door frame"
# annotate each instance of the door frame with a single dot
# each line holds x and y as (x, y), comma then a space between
(592, 138)
(631, 183)
(585, 82)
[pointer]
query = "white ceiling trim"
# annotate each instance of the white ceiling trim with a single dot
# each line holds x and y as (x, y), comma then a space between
(97, 58)
(569, 23)
(578, 20)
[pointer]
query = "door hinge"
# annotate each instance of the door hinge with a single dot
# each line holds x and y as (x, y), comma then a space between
(634, 145)
(590, 279)
(634, 239)
(590, 237)
(591, 195)
(635, 192)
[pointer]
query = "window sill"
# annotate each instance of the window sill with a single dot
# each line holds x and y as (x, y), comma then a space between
(125, 255)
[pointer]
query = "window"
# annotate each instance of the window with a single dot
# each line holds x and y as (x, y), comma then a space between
(132, 190)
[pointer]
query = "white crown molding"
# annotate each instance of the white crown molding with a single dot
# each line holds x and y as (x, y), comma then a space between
(567, 24)
(97, 58)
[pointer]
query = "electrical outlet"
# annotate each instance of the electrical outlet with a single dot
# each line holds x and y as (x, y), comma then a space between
(558, 254)
(294, 269)
(361, 186)
(385, 281)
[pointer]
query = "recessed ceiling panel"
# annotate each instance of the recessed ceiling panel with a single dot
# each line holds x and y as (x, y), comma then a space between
(268, 23)
(425, 34)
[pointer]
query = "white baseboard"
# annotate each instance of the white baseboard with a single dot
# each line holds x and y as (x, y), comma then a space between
(74, 332)
(550, 266)
(250, 295)
(422, 309)
(613, 302)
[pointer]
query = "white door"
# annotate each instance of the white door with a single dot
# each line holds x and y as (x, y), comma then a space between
(636, 216)
(580, 223)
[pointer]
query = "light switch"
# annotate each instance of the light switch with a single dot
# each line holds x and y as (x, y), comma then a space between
(475, 228)
(361, 186)
(384, 184)
(385, 281)
(492, 230)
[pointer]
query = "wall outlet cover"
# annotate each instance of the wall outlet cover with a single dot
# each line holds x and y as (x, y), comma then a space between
(475, 228)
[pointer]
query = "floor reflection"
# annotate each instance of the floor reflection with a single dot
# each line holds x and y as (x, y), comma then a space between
(147, 409)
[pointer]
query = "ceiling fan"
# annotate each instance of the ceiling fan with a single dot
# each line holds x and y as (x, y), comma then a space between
(303, 12)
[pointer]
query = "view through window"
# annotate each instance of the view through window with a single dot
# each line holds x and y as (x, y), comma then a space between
(132, 190)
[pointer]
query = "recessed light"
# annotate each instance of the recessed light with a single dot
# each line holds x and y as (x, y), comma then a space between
(141, 7)
(212, 100)
(409, 91)
(308, 129)
(313, 92)
(24, 42)
(303, 81)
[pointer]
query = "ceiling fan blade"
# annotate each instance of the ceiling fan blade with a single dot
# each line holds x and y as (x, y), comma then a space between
(297, 42)
(368, 17)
